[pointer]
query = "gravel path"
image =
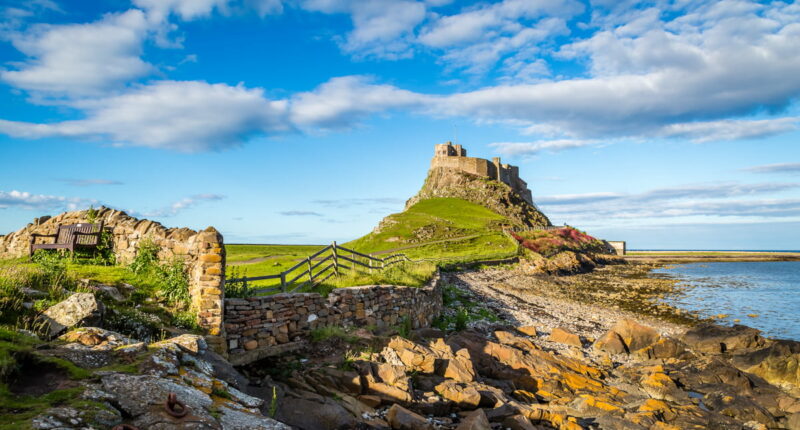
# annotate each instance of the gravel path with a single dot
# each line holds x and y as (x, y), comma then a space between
(526, 300)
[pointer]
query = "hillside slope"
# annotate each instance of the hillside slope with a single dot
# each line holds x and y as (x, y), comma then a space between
(489, 193)
(439, 227)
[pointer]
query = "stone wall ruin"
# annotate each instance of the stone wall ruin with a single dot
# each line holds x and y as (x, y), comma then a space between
(202, 251)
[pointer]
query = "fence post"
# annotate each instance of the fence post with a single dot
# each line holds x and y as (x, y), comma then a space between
(370, 265)
(283, 282)
(310, 275)
(335, 260)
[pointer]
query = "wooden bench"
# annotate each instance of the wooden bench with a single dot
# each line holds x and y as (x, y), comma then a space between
(71, 237)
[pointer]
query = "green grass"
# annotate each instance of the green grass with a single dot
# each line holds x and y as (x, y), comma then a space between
(440, 218)
(237, 253)
(444, 230)
(278, 258)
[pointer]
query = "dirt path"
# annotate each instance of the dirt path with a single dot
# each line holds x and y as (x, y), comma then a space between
(254, 260)
(532, 300)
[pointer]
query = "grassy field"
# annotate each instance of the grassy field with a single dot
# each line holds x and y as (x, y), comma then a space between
(441, 229)
(239, 253)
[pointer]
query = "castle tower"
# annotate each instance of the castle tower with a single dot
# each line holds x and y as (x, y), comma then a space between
(449, 150)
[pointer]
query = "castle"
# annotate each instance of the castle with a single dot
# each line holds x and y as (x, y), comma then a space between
(452, 156)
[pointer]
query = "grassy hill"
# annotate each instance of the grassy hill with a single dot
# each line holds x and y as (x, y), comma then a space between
(440, 227)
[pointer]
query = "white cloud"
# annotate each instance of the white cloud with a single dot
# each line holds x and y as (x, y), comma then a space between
(179, 115)
(194, 9)
(26, 200)
(80, 59)
(381, 28)
(300, 213)
(732, 129)
(89, 182)
(341, 102)
(776, 168)
(531, 148)
(178, 206)
(478, 37)
(699, 200)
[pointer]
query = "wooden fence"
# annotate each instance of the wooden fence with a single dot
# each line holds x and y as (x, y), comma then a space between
(320, 266)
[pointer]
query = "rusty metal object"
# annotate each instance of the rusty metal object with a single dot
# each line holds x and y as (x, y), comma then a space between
(175, 407)
(125, 427)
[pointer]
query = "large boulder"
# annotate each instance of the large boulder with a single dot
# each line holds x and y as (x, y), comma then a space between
(712, 338)
(778, 363)
(626, 336)
(77, 310)
(310, 411)
(401, 418)
(476, 420)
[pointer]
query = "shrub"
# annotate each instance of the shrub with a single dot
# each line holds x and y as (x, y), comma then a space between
(237, 289)
(174, 282)
(551, 242)
(170, 278)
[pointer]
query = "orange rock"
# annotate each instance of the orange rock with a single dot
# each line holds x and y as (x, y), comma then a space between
(562, 335)
(527, 329)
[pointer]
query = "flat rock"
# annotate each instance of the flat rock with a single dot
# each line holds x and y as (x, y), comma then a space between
(77, 309)
(564, 336)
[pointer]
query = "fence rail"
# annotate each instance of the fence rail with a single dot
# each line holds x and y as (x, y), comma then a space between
(336, 254)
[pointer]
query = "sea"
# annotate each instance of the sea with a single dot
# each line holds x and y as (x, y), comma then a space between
(764, 295)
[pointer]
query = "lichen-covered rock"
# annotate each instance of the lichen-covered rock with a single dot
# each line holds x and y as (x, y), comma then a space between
(95, 338)
(779, 363)
(77, 309)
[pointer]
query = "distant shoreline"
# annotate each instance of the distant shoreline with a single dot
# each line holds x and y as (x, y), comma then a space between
(695, 256)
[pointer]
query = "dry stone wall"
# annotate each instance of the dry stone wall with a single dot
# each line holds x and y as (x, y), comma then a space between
(202, 251)
(257, 327)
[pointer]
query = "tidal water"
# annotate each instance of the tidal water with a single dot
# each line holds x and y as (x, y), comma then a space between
(770, 290)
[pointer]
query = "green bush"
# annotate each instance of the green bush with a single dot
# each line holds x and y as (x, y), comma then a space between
(170, 278)
(237, 289)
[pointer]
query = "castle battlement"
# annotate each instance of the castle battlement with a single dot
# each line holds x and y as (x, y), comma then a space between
(452, 156)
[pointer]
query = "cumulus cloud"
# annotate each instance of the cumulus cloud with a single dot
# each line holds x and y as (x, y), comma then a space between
(178, 115)
(694, 73)
(342, 102)
(381, 28)
(194, 9)
(26, 200)
(478, 37)
(793, 168)
(80, 59)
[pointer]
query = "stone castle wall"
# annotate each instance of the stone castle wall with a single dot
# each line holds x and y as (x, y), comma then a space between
(454, 157)
(203, 253)
(258, 327)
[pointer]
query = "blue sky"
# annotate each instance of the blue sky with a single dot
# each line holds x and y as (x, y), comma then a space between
(669, 124)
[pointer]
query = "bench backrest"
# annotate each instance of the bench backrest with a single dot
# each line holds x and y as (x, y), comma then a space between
(65, 233)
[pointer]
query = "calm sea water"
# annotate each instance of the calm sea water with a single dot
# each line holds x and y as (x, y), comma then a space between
(769, 289)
